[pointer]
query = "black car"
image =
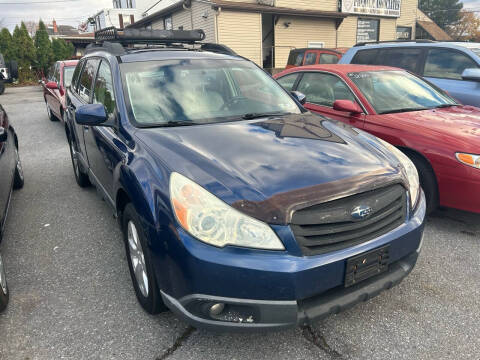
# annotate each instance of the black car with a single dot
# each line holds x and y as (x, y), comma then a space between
(11, 177)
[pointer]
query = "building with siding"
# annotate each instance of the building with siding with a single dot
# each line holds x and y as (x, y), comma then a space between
(266, 30)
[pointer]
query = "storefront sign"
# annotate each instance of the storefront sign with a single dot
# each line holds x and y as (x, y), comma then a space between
(367, 30)
(372, 7)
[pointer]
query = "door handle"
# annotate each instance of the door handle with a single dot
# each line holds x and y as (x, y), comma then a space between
(86, 127)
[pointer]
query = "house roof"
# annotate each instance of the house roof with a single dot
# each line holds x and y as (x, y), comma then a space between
(434, 30)
(244, 7)
(63, 30)
(265, 9)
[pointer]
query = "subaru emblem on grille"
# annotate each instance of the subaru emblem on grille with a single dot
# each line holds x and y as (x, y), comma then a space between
(361, 212)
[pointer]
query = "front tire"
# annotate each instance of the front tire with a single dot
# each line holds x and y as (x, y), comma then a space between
(49, 112)
(80, 176)
(428, 182)
(4, 293)
(140, 263)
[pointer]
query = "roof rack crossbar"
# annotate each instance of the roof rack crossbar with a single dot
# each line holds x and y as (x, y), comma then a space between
(394, 41)
(146, 36)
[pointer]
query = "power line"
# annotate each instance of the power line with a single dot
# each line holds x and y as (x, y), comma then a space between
(37, 2)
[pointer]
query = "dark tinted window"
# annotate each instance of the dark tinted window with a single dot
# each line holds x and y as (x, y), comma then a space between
(104, 93)
(328, 59)
(310, 58)
(288, 81)
(324, 89)
(298, 58)
(365, 57)
(86, 79)
(403, 58)
(76, 74)
(447, 64)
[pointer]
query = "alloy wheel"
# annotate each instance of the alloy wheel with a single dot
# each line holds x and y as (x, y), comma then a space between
(137, 259)
(74, 160)
(3, 278)
(19, 164)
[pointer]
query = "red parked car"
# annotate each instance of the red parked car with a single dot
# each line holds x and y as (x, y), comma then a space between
(54, 87)
(312, 56)
(441, 136)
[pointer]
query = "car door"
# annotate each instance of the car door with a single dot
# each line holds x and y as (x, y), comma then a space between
(54, 100)
(444, 68)
(81, 95)
(101, 142)
(7, 164)
(322, 90)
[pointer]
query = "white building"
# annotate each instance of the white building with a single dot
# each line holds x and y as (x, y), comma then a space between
(124, 13)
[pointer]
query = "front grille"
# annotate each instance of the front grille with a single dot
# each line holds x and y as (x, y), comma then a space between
(328, 227)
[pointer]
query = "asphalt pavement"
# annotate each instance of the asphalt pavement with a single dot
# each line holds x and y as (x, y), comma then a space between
(72, 297)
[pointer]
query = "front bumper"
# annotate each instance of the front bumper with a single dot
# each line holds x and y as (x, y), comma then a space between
(277, 315)
(274, 312)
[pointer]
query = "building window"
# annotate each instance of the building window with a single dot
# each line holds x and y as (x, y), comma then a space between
(117, 4)
(129, 4)
(404, 32)
(368, 30)
(167, 23)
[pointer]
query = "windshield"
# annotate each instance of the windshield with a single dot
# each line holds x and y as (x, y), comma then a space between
(67, 75)
(183, 92)
(398, 91)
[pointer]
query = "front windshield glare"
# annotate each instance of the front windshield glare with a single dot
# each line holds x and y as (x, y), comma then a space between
(200, 92)
(396, 91)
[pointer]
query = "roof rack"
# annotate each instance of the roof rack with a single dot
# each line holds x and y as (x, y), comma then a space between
(146, 36)
(394, 41)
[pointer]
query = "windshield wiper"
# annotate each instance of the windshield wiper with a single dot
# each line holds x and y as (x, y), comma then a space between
(402, 110)
(252, 116)
(445, 106)
(177, 123)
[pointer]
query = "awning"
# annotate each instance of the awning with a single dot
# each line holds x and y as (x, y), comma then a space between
(435, 31)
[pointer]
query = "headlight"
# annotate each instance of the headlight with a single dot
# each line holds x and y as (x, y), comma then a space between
(410, 171)
(469, 159)
(211, 220)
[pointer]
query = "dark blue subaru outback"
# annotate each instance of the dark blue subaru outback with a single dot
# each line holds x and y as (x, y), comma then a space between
(240, 209)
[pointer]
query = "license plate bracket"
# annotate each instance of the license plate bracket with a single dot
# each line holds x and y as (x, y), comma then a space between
(366, 265)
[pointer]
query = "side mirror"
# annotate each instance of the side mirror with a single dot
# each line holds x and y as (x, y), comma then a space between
(52, 85)
(471, 74)
(3, 134)
(91, 114)
(347, 106)
(301, 98)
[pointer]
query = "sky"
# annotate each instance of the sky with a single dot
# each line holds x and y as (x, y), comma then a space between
(72, 12)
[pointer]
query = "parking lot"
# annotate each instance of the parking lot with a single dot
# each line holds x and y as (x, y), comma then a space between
(72, 297)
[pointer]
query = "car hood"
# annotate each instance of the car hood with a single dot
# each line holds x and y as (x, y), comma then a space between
(270, 167)
(459, 122)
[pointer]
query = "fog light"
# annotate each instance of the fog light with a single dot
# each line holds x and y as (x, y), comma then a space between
(216, 309)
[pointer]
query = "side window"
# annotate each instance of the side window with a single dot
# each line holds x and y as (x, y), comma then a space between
(86, 79)
(299, 59)
(288, 81)
(324, 89)
(365, 57)
(51, 71)
(328, 59)
(56, 74)
(310, 58)
(403, 58)
(76, 75)
(447, 64)
(104, 93)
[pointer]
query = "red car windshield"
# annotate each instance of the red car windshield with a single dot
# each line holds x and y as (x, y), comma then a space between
(398, 91)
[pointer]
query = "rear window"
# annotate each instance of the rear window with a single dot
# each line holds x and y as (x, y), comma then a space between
(296, 58)
(365, 57)
(328, 59)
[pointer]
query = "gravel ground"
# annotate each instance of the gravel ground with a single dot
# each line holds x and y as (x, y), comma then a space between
(72, 298)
